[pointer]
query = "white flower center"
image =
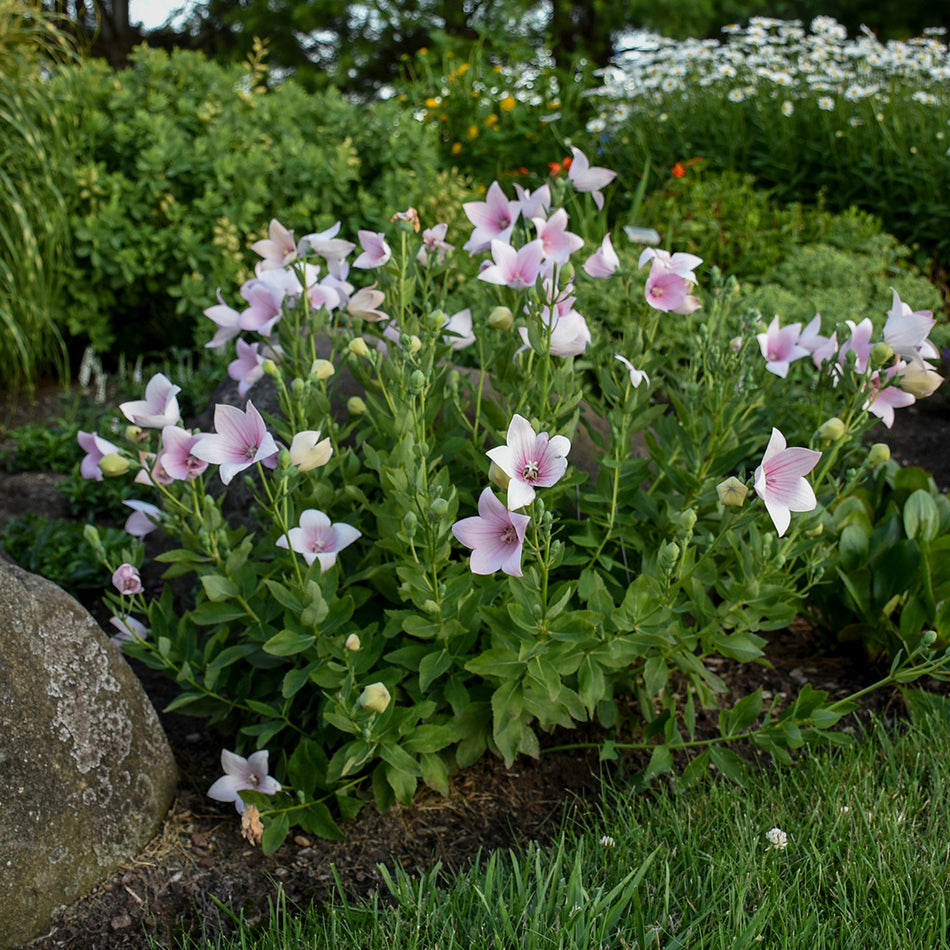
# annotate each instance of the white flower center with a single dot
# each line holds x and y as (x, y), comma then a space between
(530, 471)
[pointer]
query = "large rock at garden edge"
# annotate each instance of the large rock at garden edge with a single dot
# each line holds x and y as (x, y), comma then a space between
(87, 774)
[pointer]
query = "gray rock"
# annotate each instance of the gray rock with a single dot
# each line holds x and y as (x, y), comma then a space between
(87, 774)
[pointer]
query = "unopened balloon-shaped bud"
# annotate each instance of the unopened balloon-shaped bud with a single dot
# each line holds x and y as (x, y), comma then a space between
(375, 697)
(498, 477)
(415, 344)
(417, 381)
(308, 451)
(409, 523)
(135, 434)
(919, 380)
(669, 555)
(283, 460)
(881, 354)
(355, 406)
(112, 465)
(686, 520)
(732, 492)
(879, 453)
(430, 607)
(501, 318)
(438, 319)
(929, 638)
(322, 369)
(566, 273)
(270, 368)
(297, 387)
(438, 509)
(352, 643)
(358, 347)
(831, 430)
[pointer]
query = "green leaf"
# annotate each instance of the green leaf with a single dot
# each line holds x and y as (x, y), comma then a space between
(660, 761)
(289, 643)
(276, 829)
(316, 819)
(744, 713)
(433, 665)
(730, 764)
(296, 679)
(218, 588)
(853, 547)
(921, 517)
(286, 597)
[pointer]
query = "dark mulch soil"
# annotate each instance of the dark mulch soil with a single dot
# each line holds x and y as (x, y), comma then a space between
(199, 857)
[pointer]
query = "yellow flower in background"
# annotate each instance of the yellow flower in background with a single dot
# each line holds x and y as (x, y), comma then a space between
(456, 148)
(507, 104)
(433, 102)
(472, 131)
(491, 121)
(423, 50)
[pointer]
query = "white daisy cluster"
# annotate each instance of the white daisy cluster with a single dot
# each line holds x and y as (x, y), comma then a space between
(780, 59)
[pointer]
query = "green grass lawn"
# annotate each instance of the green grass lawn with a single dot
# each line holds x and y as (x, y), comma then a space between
(865, 864)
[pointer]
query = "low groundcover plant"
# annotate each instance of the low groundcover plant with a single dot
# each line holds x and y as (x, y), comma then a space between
(449, 538)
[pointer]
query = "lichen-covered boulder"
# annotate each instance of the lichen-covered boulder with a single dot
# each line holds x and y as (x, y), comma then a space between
(87, 774)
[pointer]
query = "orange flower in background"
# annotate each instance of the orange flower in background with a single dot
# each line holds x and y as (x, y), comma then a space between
(568, 161)
(678, 170)
(555, 169)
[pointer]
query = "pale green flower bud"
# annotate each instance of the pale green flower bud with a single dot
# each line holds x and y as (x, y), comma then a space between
(686, 520)
(669, 555)
(409, 523)
(417, 381)
(430, 607)
(415, 344)
(817, 531)
(438, 319)
(929, 638)
(501, 318)
(732, 492)
(439, 509)
(322, 369)
(270, 368)
(879, 453)
(375, 697)
(831, 430)
(355, 406)
(566, 274)
(297, 387)
(112, 465)
(498, 477)
(358, 347)
(919, 380)
(352, 642)
(881, 353)
(135, 434)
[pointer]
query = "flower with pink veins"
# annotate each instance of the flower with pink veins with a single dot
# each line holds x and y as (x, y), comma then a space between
(570, 335)
(494, 219)
(126, 579)
(906, 331)
(327, 245)
(278, 249)
(265, 306)
(529, 460)
(434, 244)
(822, 348)
(375, 250)
(239, 441)
(670, 279)
(496, 536)
(176, 455)
(96, 449)
(362, 305)
(604, 261)
(585, 177)
(682, 264)
(515, 269)
(129, 629)
(159, 407)
(558, 243)
(317, 539)
(227, 320)
(885, 397)
(145, 517)
(780, 347)
(242, 775)
(534, 204)
(152, 471)
(858, 343)
(248, 368)
(780, 480)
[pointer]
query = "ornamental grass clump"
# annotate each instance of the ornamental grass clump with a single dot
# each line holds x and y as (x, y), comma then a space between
(454, 545)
